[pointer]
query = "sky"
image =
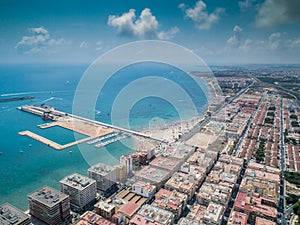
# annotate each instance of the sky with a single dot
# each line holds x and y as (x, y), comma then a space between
(219, 31)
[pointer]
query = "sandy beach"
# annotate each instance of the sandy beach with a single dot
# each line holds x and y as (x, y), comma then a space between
(171, 132)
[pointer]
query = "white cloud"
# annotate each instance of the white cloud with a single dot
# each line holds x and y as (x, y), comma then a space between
(39, 41)
(237, 29)
(200, 15)
(246, 4)
(275, 12)
(99, 46)
(83, 44)
(295, 43)
(235, 39)
(275, 41)
(165, 35)
(246, 45)
(144, 27)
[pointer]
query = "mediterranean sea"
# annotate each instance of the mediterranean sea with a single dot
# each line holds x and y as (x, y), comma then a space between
(26, 164)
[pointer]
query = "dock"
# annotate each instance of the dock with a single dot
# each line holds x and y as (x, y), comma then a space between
(98, 133)
(50, 143)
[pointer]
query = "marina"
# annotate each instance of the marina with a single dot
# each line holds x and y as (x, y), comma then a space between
(98, 133)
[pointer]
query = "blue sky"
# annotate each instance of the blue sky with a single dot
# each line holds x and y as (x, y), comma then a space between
(242, 31)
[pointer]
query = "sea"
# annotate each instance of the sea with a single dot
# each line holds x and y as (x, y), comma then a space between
(26, 164)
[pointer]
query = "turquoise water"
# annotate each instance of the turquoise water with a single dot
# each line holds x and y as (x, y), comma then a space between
(23, 169)
(54, 134)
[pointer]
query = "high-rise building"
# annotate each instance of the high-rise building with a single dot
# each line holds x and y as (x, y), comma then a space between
(81, 190)
(49, 205)
(104, 175)
(9, 215)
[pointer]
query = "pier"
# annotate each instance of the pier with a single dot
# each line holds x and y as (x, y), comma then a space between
(52, 143)
(97, 133)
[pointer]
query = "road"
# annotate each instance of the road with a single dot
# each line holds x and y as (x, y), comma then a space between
(282, 157)
(237, 146)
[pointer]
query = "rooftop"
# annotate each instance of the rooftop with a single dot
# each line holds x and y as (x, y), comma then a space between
(142, 220)
(104, 206)
(197, 213)
(11, 215)
(48, 196)
(154, 175)
(255, 204)
(262, 175)
(77, 181)
(179, 151)
(129, 209)
(265, 188)
(157, 214)
(186, 221)
(237, 218)
(129, 196)
(101, 169)
(145, 186)
(182, 181)
(229, 159)
(215, 192)
(165, 163)
(258, 166)
(94, 219)
(214, 212)
(261, 221)
(169, 200)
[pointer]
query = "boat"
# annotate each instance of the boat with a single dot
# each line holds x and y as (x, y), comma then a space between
(21, 151)
(30, 145)
(1, 153)
(70, 152)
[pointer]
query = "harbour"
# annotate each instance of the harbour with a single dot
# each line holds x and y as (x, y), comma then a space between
(98, 133)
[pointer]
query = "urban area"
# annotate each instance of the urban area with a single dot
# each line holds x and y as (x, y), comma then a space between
(239, 164)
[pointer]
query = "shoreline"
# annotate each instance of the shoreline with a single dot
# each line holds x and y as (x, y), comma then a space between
(171, 132)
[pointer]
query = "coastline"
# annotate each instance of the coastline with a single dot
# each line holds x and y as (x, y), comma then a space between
(171, 132)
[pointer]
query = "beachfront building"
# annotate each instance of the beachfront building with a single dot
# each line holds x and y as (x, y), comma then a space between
(81, 190)
(49, 205)
(9, 215)
(104, 175)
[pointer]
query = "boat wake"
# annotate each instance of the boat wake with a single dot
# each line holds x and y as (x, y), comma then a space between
(52, 98)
